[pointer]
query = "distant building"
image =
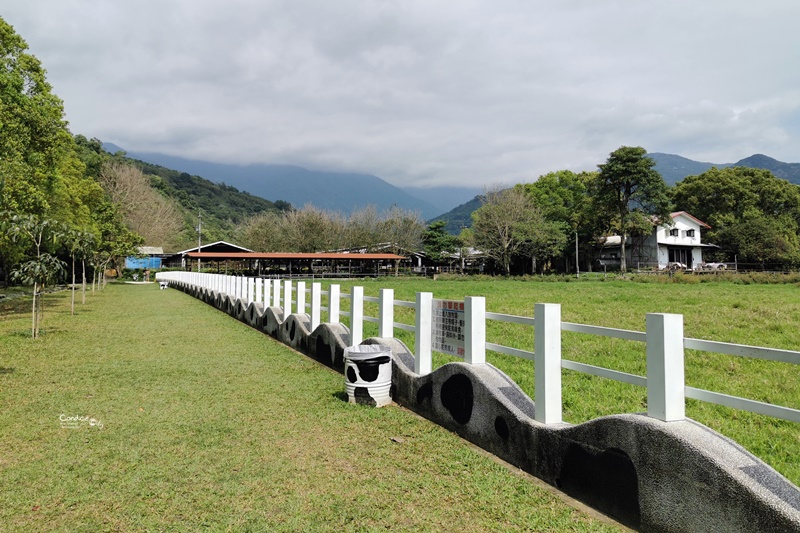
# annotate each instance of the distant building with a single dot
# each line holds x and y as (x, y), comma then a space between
(180, 259)
(675, 246)
(147, 257)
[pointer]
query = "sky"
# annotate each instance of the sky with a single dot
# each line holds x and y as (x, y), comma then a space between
(424, 93)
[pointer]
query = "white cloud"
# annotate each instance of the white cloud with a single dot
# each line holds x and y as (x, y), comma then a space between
(425, 92)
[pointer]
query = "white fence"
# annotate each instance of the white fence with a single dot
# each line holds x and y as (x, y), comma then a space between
(664, 339)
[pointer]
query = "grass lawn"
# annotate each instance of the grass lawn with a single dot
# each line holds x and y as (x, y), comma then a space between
(149, 410)
(760, 315)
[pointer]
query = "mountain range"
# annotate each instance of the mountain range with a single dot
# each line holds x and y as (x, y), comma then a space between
(333, 191)
(346, 192)
(673, 168)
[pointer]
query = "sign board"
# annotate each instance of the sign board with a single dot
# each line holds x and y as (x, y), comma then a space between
(448, 327)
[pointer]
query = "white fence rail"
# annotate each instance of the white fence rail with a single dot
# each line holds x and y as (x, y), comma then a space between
(664, 340)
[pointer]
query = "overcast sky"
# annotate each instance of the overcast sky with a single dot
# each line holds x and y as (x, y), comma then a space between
(424, 93)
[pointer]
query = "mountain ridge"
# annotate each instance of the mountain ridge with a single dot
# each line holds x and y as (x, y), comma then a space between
(333, 191)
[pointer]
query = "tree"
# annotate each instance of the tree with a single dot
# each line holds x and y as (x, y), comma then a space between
(633, 193)
(44, 268)
(33, 134)
(439, 245)
(734, 201)
(564, 198)
(502, 225)
(144, 210)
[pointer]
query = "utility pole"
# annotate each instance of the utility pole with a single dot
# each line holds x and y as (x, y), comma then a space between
(577, 266)
(199, 234)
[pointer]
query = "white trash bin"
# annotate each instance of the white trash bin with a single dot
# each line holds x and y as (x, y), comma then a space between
(368, 374)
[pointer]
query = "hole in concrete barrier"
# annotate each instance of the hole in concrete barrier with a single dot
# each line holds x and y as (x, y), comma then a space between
(606, 481)
(457, 397)
(292, 331)
(501, 427)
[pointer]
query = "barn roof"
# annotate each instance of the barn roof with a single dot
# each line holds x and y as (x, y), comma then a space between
(292, 255)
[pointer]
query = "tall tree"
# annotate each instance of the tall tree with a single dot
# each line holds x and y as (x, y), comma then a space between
(502, 225)
(144, 210)
(439, 245)
(633, 192)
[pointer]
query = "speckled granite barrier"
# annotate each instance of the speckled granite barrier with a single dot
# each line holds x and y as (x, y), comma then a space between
(650, 475)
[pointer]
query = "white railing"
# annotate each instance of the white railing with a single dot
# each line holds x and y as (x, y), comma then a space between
(664, 340)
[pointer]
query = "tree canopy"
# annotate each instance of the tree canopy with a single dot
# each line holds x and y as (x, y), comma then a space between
(633, 194)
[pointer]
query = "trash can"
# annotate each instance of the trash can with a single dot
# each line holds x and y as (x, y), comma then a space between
(368, 374)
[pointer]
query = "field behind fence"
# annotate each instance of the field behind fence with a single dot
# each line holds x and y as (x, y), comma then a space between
(757, 315)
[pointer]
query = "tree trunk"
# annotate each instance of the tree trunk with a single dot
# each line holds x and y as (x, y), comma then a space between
(623, 264)
(72, 303)
(33, 312)
(83, 265)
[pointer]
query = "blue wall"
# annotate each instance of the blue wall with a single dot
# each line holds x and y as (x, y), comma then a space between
(142, 262)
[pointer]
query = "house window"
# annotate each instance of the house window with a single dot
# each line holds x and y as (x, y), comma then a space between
(674, 232)
(690, 233)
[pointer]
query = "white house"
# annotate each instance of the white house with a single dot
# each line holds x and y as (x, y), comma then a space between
(679, 243)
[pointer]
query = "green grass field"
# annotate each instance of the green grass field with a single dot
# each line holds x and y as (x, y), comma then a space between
(754, 314)
(151, 411)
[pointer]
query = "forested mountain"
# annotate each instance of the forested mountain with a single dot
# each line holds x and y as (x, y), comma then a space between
(344, 192)
(223, 207)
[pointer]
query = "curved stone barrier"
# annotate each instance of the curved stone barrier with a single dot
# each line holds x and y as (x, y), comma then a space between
(648, 474)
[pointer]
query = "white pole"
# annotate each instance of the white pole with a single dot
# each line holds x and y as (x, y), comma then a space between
(316, 304)
(423, 333)
(475, 334)
(665, 372)
(334, 295)
(547, 363)
(357, 316)
(386, 313)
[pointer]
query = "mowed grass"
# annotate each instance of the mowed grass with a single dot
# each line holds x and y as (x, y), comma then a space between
(760, 315)
(194, 421)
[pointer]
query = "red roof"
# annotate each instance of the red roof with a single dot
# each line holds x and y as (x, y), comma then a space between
(290, 255)
(687, 215)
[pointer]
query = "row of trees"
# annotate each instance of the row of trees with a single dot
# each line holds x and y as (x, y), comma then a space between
(53, 207)
(311, 229)
(754, 216)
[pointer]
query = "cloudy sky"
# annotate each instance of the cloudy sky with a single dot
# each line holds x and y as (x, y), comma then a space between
(425, 92)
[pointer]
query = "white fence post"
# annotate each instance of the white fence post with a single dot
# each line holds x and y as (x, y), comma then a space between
(287, 297)
(276, 293)
(475, 334)
(386, 313)
(547, 363)
(423, 332)
(665, 372)
(334, 295)
(301, 296)
(251, 284)
(259, 291)
(356, 316)
(267, 293)
(316, 304)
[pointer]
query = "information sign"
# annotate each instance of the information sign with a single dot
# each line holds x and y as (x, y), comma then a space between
(448, 327)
